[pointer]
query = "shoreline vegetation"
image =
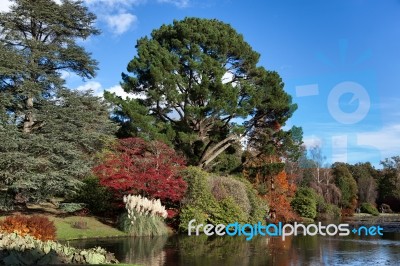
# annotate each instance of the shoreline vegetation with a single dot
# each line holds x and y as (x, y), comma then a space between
(97, 229)
(94, 228)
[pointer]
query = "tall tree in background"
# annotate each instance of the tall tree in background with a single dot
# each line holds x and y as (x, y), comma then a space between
(270, 147)
(197, 78)
(318, 159)
(389, 183)
(38, 41)
(347, 185)
(366, 176)
(49, 134)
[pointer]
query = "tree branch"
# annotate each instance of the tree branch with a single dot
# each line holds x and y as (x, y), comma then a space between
(212, 153)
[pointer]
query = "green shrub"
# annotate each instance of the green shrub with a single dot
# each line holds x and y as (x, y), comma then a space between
(331, 212)
(199, 189)
(306, 192)
(231, 205)
(259, 207)
(72, 207)
(199, 203)
(304, 203)
(369, 208)
(305, 207)
(223, 187)
(189, 213)
(231, 212)
(98, 199)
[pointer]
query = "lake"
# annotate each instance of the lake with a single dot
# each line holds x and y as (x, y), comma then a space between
(226, 250)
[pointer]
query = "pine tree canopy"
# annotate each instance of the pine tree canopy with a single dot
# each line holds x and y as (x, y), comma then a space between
(199, 82)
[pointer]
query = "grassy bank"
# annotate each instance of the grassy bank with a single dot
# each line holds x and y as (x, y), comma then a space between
(93, 228)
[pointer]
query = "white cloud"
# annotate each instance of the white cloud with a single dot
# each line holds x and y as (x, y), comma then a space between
(4, 5)
(386, 140)
(117, 89)
(98, 90)
(339, 148)
(312, 141)
(178, 3)
(121, 23)
(92, 85)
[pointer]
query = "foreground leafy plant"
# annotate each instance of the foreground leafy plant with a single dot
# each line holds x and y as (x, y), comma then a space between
(26, 250)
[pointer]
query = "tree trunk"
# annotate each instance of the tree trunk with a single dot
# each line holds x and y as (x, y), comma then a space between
(213, 152)
(29, 119)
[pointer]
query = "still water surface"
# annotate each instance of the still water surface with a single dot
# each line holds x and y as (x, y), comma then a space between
(296, 250)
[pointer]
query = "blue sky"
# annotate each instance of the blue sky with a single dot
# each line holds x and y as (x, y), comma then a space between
(340, 61)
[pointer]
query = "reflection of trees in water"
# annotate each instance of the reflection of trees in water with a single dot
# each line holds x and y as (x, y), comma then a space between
(146, 251)
(225, 250)
(200, 250)
(203, 250)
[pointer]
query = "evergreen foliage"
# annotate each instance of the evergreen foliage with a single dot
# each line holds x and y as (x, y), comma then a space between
(49, 134)
(346, 183)
(196, 77)
(54, 159)
(304, 203)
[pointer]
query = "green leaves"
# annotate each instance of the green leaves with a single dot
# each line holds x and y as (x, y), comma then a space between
(57, 155)
(198, 77)
(38, 40)
(49, 134)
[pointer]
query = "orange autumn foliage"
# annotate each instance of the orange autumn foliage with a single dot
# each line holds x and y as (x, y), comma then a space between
(280, 187)
(39, 227)
(279, 198)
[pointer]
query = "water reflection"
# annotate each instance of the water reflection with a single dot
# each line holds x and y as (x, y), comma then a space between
(299, 250)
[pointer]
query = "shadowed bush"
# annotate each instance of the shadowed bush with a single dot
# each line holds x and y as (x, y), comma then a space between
(98, 199)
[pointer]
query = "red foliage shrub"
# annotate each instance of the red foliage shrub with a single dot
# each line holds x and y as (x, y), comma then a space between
(39, 227)
(146, 168)
(172, 213)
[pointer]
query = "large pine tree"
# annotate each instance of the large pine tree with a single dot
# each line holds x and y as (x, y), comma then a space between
(200, 80)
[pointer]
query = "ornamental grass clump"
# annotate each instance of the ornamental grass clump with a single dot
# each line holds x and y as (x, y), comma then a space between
(144, 217)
